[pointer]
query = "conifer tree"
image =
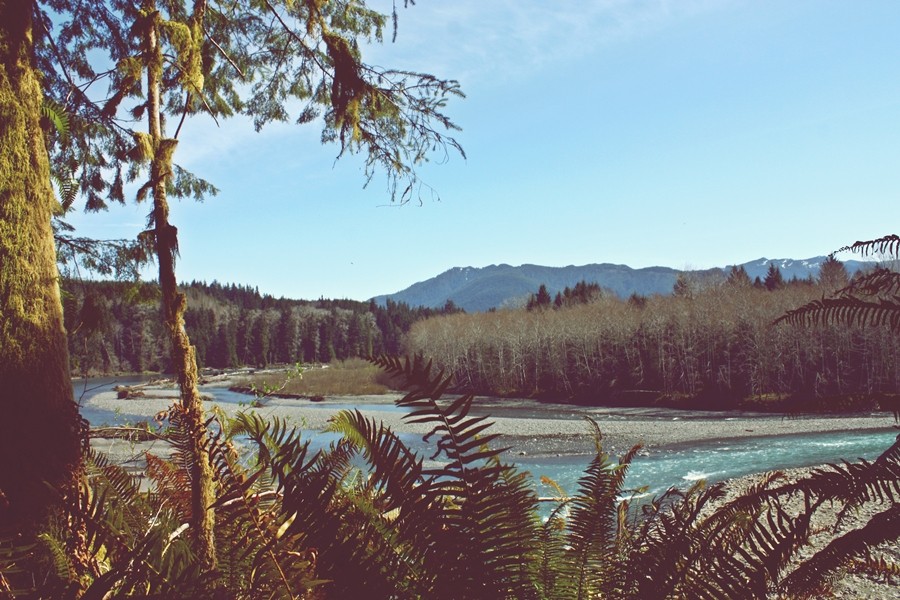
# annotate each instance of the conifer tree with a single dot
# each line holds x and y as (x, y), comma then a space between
(833, 274)
(540, 300)
(558, 300)
(774, 280)
(284, 345)
(682, 287)
(738, 277)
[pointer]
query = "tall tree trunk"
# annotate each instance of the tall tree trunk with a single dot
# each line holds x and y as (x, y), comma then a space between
(174, 304)
(40, 429)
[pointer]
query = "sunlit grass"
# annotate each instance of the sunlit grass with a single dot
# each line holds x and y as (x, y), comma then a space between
(352, 377)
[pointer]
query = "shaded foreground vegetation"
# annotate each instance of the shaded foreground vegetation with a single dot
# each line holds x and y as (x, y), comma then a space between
(713, 346)
(368, 518)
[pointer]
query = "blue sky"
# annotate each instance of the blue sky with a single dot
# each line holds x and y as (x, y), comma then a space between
(682, 133)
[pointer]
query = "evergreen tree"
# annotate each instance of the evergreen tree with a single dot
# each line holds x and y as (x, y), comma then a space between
(309, 340)
(585, 292)
(229, 338)
(774, 280)
(558, 301)
(355, 337)
(326, 352)
(682, 287)
(200, 325)
(260, 341)
(833, 274)
(243, 338)
(285, 337)
(540, 300)
(638, 301)
(738, 277)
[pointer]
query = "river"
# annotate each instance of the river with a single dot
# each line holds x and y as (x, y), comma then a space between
(675, 465)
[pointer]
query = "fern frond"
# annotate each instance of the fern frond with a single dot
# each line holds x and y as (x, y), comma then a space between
(881, 286)
(847, 310)
(259, 551)
(483, 528)
(878, 566)
(129, 545)
(57, 116)
(397, 505)
(774, 539)
(15, 571)
(880, 281)
(397, 473)
(552, 550)
(179, 435)
(889, 244)
(172, 484)
(857, 483)
(593, 522)
(883, 527)
(67, 187)
(59, 557)
(675, 552)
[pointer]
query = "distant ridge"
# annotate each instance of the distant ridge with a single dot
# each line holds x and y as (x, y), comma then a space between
(478, 289)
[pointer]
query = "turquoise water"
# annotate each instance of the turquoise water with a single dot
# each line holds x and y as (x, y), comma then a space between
(86, 388)
(681, 466)
(659, 469)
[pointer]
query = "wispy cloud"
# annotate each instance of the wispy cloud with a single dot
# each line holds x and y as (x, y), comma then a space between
(474, 40)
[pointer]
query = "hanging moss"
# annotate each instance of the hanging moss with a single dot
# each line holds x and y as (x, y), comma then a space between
(130, 68)
(143, 148)
(187, 52)
(165, 152)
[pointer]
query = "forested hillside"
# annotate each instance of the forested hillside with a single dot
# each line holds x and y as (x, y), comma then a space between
(506, 286)
(116, 327)
(709, 345)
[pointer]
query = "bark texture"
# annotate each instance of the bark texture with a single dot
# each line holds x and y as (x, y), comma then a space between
(40, 429)
(174, 304)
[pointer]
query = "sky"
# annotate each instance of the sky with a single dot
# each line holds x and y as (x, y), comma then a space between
(681, 133)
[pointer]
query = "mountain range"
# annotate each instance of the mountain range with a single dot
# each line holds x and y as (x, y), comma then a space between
(477, 289)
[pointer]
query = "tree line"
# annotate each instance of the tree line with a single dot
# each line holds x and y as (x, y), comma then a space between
(709, 344)
(115, 327)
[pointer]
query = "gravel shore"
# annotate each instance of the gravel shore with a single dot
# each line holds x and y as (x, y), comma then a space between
(529, 428)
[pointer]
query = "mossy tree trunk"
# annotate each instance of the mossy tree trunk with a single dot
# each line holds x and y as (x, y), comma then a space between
(174, 304)
(40, 429)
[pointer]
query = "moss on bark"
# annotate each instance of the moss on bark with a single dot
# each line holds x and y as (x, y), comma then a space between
(40, 430)
(174, 305)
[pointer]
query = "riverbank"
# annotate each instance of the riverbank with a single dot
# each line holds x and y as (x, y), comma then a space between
(528, 427)
(532, 430)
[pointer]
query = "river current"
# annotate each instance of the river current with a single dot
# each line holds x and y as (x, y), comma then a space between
(679, 465)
